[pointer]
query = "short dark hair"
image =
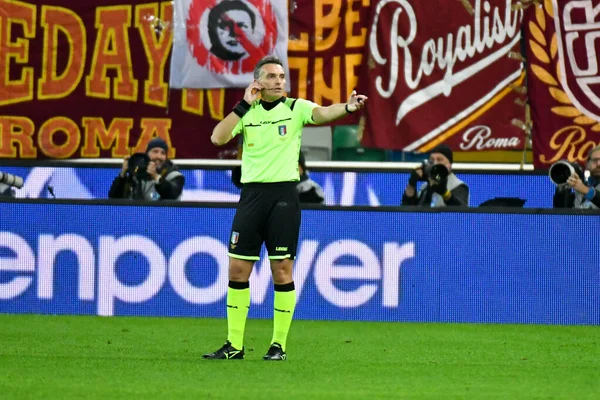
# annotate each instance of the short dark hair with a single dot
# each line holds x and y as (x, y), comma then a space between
(266, 60)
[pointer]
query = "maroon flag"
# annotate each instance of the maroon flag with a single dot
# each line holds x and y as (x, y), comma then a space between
(437, 73)
(563, 45)
(83, 80)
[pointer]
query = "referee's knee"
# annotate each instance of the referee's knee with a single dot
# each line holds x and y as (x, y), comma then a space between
(282, 271)
(240, 270)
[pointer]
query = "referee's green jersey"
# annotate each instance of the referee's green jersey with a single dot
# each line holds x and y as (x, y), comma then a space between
(272, 140)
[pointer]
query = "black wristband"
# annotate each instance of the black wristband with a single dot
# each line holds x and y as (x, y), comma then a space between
(241, 108)
(347, 110)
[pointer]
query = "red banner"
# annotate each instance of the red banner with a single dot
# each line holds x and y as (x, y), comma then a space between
(89, 79)
(563, 51)
(438, 73)
(327, 39)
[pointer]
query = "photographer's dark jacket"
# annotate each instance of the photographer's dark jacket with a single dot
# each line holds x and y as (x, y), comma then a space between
(426, 197)
(168, 187)
(309, 191)
(568, 198)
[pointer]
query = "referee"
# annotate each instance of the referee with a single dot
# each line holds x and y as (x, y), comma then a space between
(268, 210)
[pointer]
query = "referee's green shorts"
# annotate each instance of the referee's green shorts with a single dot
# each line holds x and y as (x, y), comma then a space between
(267, 213)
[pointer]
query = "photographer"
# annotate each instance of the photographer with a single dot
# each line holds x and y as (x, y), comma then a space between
(442, 187)
(149, 176)
(575, 192)
(309, 191)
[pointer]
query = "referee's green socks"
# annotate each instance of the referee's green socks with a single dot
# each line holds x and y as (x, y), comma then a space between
(238, 303)
(284, 305)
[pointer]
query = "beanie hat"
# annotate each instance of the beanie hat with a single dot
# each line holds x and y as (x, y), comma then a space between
(445, 150)
(157, 142)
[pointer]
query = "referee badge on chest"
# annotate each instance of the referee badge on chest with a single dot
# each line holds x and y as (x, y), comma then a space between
(282, 130)
(235, 237)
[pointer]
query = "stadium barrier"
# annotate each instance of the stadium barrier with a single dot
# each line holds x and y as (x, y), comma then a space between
(354, 263)
(347, 184)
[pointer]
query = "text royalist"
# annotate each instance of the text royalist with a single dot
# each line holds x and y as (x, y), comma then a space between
(493, 32)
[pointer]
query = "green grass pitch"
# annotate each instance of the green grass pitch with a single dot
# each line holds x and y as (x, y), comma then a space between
(47, 357)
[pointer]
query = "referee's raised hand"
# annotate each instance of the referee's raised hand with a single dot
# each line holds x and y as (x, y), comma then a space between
(356, 101)
(252, 92)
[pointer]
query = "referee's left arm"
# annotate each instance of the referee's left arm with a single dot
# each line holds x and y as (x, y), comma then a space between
(323, 115)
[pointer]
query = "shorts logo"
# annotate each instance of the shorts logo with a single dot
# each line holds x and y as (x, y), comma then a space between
(281, 249)
(235, 237)
(282, 130)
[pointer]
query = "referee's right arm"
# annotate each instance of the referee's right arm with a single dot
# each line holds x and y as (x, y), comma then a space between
(222, 133)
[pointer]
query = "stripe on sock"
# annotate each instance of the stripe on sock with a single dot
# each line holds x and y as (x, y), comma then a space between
(287, 287)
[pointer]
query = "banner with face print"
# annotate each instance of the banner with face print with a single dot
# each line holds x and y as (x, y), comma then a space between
(91, 81)
(217, 43)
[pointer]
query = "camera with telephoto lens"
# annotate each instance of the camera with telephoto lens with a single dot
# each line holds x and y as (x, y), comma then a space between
(11, 180)
(561, 170)
(436, 172)
(138, 163)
